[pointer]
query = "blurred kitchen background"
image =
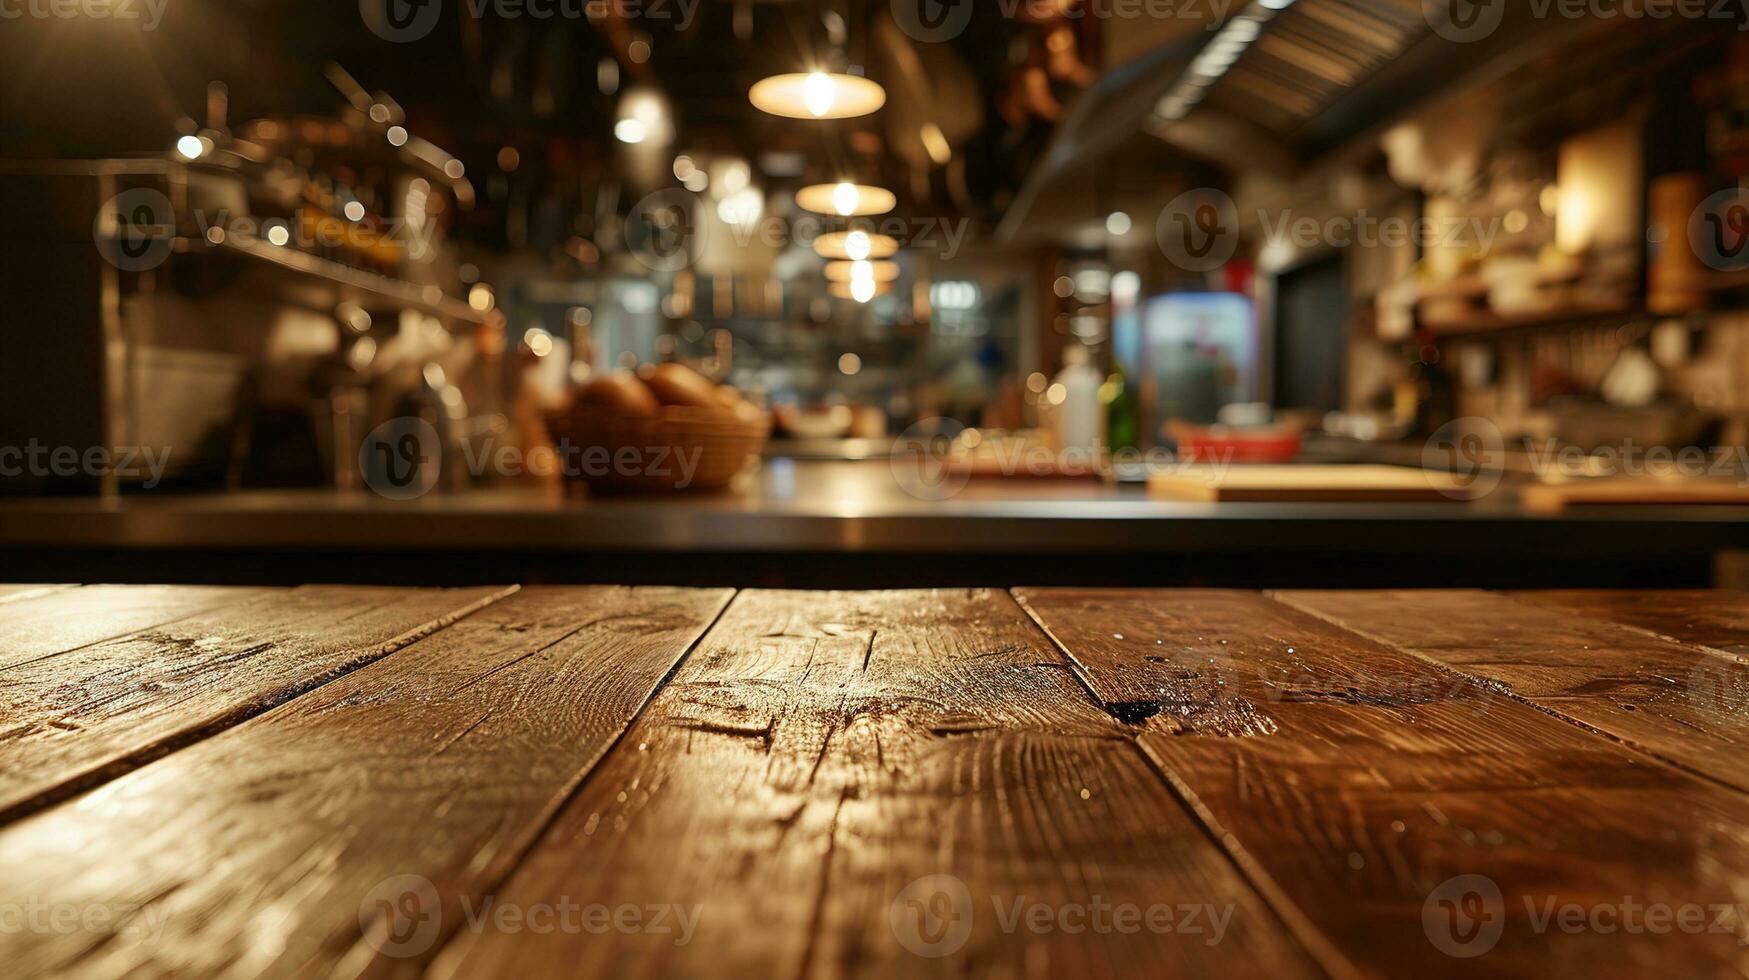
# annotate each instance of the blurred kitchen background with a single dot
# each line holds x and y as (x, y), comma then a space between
(1331, 232)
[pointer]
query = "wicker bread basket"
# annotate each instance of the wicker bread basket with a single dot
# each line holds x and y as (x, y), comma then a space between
(680, 448)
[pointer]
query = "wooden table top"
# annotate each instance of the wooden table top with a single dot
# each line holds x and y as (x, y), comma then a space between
(339, 781)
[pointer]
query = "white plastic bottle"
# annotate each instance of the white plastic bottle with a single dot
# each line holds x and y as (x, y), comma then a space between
(1080, 421)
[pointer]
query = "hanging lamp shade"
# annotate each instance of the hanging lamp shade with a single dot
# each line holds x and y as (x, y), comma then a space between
(846, 200)
(855, 245)
(861, 291)
(852, 271)
(817, 95)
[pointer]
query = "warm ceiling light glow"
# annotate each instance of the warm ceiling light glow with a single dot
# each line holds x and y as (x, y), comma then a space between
(852, 271)
(846, 199)
(397, 136)
(480, 298)
(643, 118)
(630, 131)
(1118, 223)
(540, 343)
(855, 245)
(935, 143)
(743, 208)
(817, 95)
(190, 147)
(849, 364)
(850, 290)
(354, 211)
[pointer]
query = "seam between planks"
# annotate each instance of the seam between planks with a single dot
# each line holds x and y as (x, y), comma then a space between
(1531, 603)
(1506, 690)
(544, 822)
(1318, 947)
(180, 740)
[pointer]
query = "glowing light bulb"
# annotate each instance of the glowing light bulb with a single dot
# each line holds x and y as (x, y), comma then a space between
(857, 245)
(862, 270)
(631, 131)
(818, 93)
(862, 290)
(845, 199)
(190, 147)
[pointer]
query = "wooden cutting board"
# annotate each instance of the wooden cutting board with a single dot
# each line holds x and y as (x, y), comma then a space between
(1305, 484)
(1551, 497)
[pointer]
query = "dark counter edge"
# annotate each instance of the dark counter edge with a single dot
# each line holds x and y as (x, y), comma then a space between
(1068, 527)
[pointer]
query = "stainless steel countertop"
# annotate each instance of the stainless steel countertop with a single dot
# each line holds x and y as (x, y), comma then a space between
(821, 507)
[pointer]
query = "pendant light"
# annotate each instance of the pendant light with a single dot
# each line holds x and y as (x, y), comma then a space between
(855, 245)
(845, 199)
(817, 95)
(862, 290)
(852, 271)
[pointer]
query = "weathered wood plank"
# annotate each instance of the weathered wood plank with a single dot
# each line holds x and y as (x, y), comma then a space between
(286, 846)
(13, 593)
(1372, 783)
(823, 752)
(76, 718)
(1716, 619)
(56, 621)
(1683, 705)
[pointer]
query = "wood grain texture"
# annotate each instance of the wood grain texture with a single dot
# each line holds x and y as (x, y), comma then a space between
(1715, 619)
(92, 712)
(54, 622)
(1382, 780)
(823, 752)
(1678, 703)
(13, 593)
(286, 846)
